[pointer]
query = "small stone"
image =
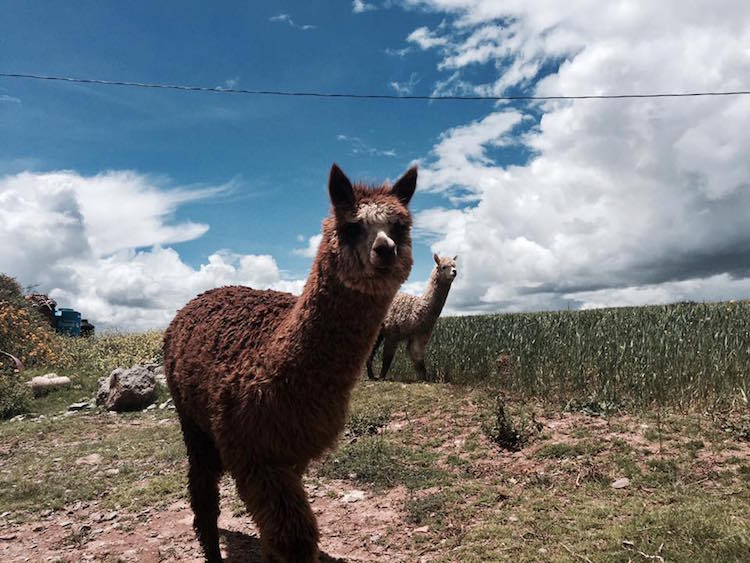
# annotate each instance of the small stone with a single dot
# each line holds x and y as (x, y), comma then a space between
(91, 459)
(151, 407)
(512, 518)
(542, 551)
(113, 471)
(353, 496)
(620, 483)
(79, 406)
(165, 404)
(422, 530)
(43, 384)
(8, 537)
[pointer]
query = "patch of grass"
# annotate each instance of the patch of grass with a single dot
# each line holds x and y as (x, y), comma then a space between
(368, 420)
(559, 450)
(426, 509)
(653, 435)
(375, 461)
(661, 471)
(692, 447)
(43, 472)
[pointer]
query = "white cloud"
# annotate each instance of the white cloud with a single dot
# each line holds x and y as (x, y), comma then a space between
(426, 39)
(620, 201)
(312, 247)
(82, 239)
(405, 88)
(287, 19)
(359, 147)
(9, 99)
(360, 6)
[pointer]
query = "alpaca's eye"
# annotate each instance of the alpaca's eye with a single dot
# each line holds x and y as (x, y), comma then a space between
(351, 231)
(398, 232)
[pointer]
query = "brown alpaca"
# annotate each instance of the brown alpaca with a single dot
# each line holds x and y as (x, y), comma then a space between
(413, 319)
(261, 379)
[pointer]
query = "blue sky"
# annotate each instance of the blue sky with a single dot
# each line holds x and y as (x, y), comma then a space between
(126, 202)
(276, 152)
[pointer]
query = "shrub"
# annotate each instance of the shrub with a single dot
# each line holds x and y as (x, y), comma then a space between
(23, 332)
(15, 397)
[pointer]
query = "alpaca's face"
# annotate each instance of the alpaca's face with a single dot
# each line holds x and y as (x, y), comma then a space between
(446, 268)
(370, 232)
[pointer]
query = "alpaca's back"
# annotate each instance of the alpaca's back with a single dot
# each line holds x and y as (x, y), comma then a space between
(405, 316)
(219, 335)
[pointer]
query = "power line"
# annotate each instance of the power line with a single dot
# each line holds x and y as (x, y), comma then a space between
(220, 90)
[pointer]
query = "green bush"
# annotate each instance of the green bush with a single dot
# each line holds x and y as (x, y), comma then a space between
(15, 397)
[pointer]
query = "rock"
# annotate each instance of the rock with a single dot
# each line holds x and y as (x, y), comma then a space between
(151, 407)
(91, 459)
(165, 404)
(127, 389)
(43, 384)
(353, 496)
(620, 483)
(422, 530)
(79, 406)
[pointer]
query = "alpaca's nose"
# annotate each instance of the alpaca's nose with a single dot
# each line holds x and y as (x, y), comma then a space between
(384, 247)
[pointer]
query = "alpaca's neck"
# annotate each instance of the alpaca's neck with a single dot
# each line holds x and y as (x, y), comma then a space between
(331, 328)
(435, 296)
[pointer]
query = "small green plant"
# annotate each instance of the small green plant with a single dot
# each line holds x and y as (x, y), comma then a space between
(506, 433)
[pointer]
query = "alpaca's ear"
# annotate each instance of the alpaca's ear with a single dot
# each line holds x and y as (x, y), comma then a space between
(404, 188)
(340, 189)
(436, 258)
(455, 257)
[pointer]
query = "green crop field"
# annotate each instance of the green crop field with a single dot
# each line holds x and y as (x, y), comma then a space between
(686, 354)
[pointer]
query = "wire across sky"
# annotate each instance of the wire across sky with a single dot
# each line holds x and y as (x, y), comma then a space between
(348, 95)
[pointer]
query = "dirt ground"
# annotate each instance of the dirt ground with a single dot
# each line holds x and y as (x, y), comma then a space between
(98, 487)
(365, 530)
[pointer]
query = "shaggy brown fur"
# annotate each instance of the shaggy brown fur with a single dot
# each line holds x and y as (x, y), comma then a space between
(261, 379)
(413, 319)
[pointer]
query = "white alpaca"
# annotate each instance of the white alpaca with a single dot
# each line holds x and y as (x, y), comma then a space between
(413, 318)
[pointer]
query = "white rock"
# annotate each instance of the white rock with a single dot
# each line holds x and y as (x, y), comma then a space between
(91, 459)
(353, 496)
(620, 483)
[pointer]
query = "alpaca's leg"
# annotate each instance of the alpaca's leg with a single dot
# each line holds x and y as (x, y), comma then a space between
(416, 353)
(370, 374)
(204, 472)
(389, 350)
(276, 499)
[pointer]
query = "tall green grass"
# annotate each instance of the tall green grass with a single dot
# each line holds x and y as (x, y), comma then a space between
(682, 354)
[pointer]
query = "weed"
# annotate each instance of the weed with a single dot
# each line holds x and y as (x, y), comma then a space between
(506, 433)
